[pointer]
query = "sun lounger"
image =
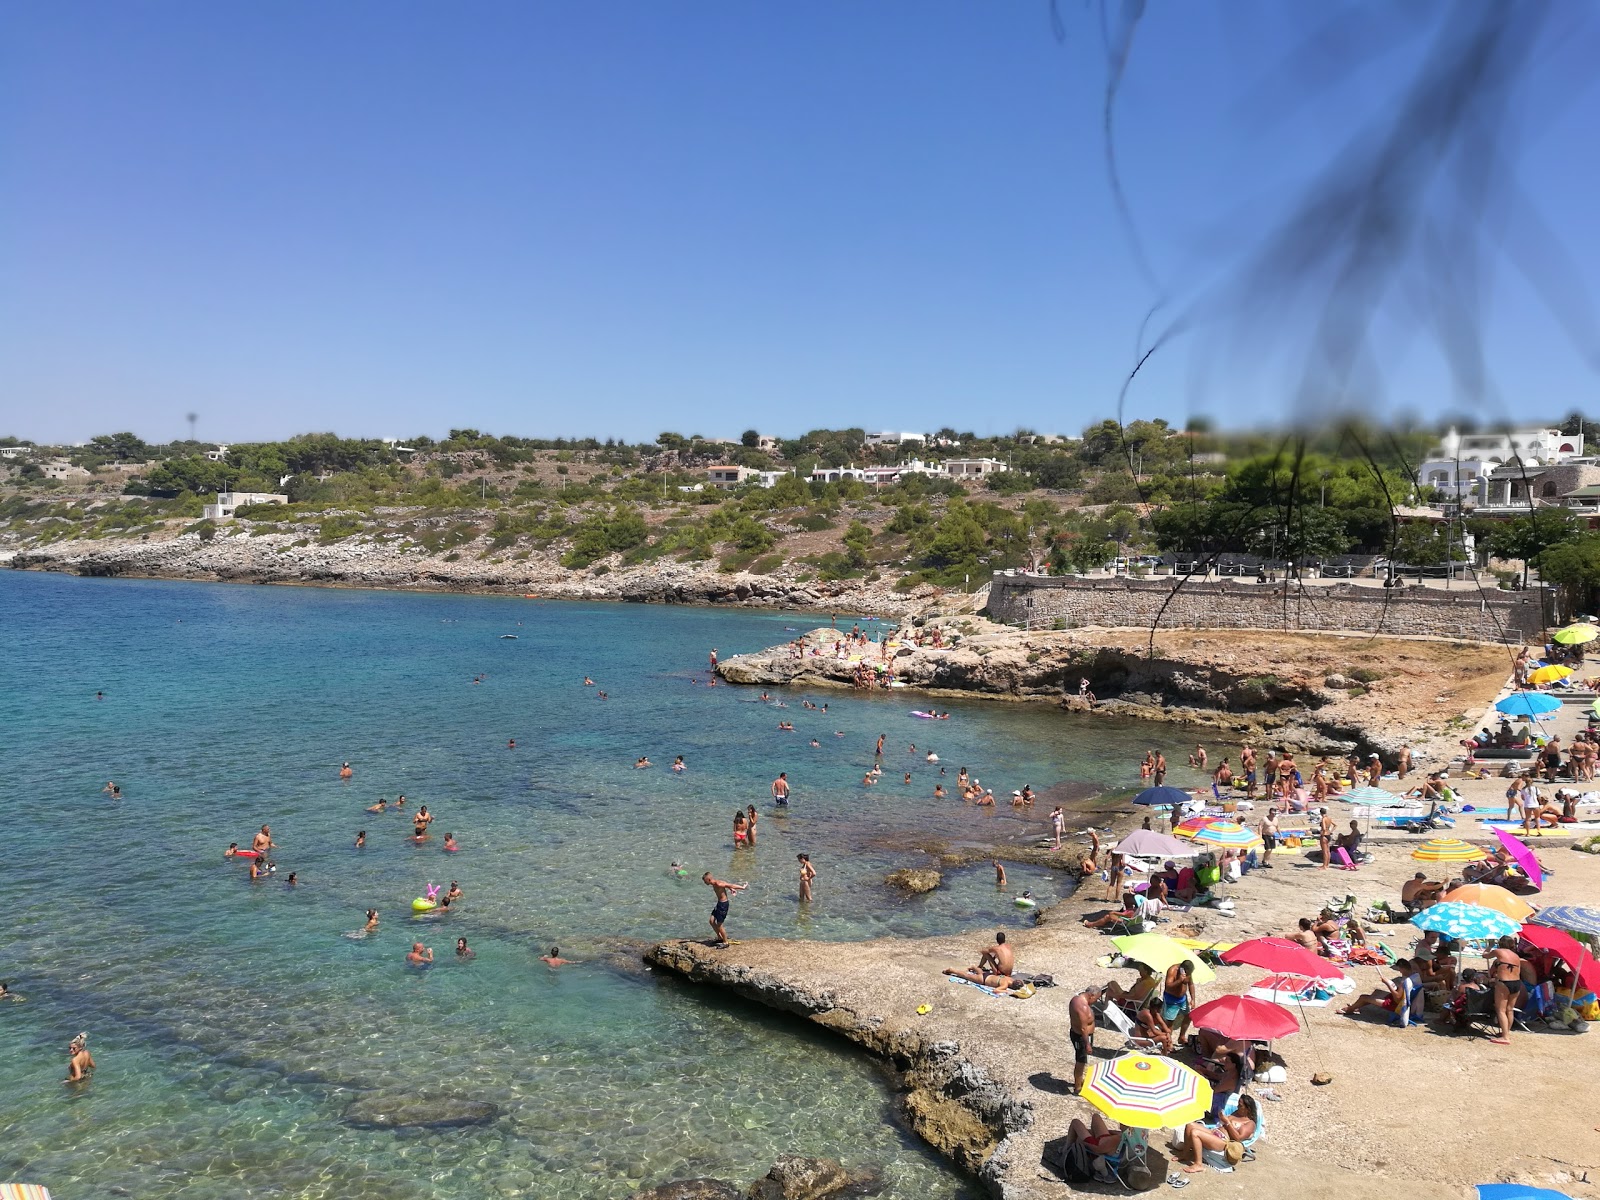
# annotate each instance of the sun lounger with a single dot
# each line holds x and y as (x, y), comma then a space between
(1115, 1017)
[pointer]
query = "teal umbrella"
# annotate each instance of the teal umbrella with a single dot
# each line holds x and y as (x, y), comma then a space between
(1528, 704)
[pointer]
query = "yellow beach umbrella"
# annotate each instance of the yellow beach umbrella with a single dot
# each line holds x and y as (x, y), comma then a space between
(1489, 895)
(1549, 674)
(1143, 1091)
(1448, 850)
(1158, 952)
(1577, 634)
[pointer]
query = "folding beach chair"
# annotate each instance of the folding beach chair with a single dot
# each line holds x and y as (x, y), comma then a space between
(1115, 1017)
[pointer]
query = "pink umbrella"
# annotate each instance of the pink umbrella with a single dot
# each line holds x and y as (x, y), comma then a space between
(1282, 957)
(1524, 856)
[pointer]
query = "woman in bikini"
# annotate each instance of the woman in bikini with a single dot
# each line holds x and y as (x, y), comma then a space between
(740, 825)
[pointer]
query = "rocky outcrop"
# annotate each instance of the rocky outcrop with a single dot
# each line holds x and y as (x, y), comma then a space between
(949, 1102)
(914, 881)
(792, 1177)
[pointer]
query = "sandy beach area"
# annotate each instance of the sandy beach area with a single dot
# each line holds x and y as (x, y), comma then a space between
(1409, 1112)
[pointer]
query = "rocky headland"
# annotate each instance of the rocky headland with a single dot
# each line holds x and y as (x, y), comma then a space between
(1320, 693)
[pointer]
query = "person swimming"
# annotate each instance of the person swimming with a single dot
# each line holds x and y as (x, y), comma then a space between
(511, 743)
(345, 772)
(455, 893)
(112, 790)
(450, 842)
(361, 839)
(554, 959)
(231, 851)
(641, 763)
(292, 880)
(678, 764)
(372, 921)
(463, 951)
(379, 807)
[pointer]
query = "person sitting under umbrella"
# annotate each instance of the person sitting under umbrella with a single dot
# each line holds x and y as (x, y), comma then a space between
(1221, 1135)
(1132, 913)
(1402, 997)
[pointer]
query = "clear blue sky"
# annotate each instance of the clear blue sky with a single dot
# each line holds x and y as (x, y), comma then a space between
(613, 219)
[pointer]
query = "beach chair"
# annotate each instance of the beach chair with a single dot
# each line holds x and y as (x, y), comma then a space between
(1214, 1158)
(1135, 1164)
(1114, 1016)
(1133, 923)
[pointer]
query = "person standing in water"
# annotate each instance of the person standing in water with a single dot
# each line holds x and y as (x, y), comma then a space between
(419, 956)
(723, 890)
(262, 842)
(807, 874)
(741, 826)
(780, 789)
(345, 772)
(750, 823)
(79, 1061)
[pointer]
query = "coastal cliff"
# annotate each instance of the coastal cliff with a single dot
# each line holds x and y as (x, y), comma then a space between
(1318, 692)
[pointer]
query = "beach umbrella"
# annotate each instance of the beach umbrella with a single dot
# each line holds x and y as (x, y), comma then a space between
(1573, 918)
(1158, 952)
(1448, 850)
(1489, 895)
(1523, 855)
(1585, 970)
(1548, 674)
(1466, 922)
(1147, 843)
(1246, 1018)
(1372, 797)
(1226, 833)
(1577, 634)
(1143, 1091)
(1281, 957)
(1163, 796)
(1518, 1191)
(1528, 704)
(1187, 829)
(1291, 991)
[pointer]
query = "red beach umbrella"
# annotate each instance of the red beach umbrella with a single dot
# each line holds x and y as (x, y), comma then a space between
(1568, 949)
(1246, 1018)
(1283, 957)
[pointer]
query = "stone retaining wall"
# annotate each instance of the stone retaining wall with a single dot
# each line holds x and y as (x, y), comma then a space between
(1464, 613)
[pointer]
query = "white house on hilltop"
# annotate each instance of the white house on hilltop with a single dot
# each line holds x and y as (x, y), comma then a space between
(222, 510)
(973, 468)
(889, 438)
(1460, 464)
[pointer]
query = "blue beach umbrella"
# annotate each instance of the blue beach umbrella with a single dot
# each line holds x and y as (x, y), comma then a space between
(1528, 704)
(1164, 796)
(1466, 922)
(1574, 918)
(1518, 1191)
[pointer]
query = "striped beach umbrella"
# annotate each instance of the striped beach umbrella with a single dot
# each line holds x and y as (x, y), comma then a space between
(1226, 833)
(1466, 922)
(1527, 704)
(1548, 674)
(1373, 797)
(1574, 918)
(1141, 1091)
(1577, 634)
(1187, 829)
(1448, 850)
(1489, 895)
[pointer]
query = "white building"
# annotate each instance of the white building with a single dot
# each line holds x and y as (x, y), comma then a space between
(222, 510)
(60, 468)
(727, 475)
(889, 438)
(1461, 463)
(973, 468)
(217, 454)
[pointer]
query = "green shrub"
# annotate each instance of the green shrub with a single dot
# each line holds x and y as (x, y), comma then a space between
(1364, 675)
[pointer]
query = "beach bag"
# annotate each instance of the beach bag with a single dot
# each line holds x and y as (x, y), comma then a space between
(1069, 1160)
(1146, 1173)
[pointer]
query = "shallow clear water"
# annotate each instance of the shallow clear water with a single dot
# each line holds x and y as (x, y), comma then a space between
(234, 1023)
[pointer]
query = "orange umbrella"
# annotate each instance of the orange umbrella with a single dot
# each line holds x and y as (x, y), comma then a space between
(1488, 895)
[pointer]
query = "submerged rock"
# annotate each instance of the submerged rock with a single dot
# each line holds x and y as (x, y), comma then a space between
(391, 1110)
(795, 1178)
(691, 1189)
(915, 880)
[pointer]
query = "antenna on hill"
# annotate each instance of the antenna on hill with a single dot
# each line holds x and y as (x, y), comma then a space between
(191, 418)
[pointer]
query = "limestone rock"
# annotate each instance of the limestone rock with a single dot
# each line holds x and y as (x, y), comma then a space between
(1336, 681)
(691, 1189)
(796, 1178)
(915, 880)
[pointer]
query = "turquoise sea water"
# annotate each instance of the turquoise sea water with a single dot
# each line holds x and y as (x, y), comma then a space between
(234, 1023)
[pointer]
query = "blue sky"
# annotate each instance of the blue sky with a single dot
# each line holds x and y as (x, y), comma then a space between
(613, 219)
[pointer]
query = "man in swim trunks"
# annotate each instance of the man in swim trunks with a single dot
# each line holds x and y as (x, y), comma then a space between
(379, 806)
(780, 789)
(1081, 1011)
(345, 772)
(719, 914)
(1247, 763)
(262, 842)
(554, 959)
(419, 956)
(1177, 997)
(455, 892)
(1269, 836)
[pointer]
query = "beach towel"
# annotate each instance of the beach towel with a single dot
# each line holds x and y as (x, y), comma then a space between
(982, 987)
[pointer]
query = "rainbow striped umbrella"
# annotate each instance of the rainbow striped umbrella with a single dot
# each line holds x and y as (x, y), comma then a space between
(1226, 833)
(1187, 829)
(1142, 1091)
(1448, 850)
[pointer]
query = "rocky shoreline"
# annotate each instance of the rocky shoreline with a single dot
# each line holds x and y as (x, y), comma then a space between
(1317, 693)
(279, 558)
